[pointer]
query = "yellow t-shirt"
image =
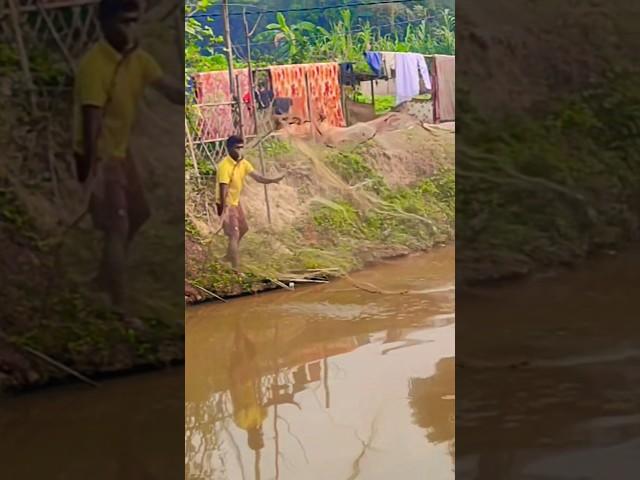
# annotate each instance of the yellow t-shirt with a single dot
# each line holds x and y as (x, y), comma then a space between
(248, 414)
(233, 176)
(94, 83)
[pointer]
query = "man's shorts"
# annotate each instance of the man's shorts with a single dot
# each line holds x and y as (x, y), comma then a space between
(117, 195)
(235, 222)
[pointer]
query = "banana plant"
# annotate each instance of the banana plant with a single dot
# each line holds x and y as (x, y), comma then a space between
(292, 40)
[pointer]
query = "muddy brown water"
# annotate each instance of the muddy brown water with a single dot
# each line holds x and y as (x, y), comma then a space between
(327, 382)
(549, 376)
(568, 410)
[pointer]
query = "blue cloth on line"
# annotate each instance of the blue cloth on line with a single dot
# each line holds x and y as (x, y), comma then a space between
(374, 59)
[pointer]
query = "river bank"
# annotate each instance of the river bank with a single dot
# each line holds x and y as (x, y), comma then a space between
(337, 211)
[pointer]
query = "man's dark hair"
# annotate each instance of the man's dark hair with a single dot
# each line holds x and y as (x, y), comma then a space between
(109, 9)
(234, 141)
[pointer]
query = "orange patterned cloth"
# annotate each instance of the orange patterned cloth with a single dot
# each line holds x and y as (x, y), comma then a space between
(289, 81)
(216, 121)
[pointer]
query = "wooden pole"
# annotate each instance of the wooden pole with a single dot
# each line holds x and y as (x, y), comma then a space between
(311, 117)
(239, 106)
(266, 190)
(247, 36)
(373, 97)
(228, 46)
(233, 90)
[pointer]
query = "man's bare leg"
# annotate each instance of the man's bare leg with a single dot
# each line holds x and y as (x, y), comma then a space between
(233, 251)
(114, 268)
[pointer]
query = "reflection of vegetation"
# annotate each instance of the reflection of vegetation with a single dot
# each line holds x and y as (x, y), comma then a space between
(432, 402)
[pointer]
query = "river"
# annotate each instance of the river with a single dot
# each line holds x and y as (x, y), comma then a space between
(327, 382)
(548, 382)
(364, 383)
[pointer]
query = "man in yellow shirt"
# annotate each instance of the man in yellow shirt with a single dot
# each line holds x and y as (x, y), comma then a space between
(110, 80)
(231, 174)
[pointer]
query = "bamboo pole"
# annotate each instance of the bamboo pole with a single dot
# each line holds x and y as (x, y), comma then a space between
(311, 117)
(373, 97)
(239, 107)
(266, 190)
(247, 36)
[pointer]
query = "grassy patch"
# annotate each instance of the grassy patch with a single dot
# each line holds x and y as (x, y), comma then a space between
(384, 103)
(553, 188)
(354, 169)
(274, 147)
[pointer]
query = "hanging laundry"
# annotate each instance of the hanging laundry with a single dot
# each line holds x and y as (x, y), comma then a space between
(326, 101)
(410, 67)
(213, 94)
(445, 93)
(389, 62)
(374, 60)
(288, 81)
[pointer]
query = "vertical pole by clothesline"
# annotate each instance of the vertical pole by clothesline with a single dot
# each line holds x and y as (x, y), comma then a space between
(247, 37)
(311, 116)
(240, 114)
(373, 97)
(229, 53)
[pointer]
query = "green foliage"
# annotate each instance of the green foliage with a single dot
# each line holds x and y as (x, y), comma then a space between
(345, 40)
(415, 217)
(554, 188)
(274, 147)
(200, 41)
(354, 169)
(384, 103)
(337, 218)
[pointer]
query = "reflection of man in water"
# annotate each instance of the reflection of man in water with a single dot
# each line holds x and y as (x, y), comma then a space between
(249, 411)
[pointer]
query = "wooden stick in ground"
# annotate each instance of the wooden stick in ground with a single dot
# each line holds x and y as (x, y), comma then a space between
(208, 292)
(312, 120)
(247, 36)
(50, 360)
(266, 190)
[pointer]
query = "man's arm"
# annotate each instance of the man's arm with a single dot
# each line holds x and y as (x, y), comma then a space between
(264, 180)
(224, 189)
(91, 123)
(171, 90)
